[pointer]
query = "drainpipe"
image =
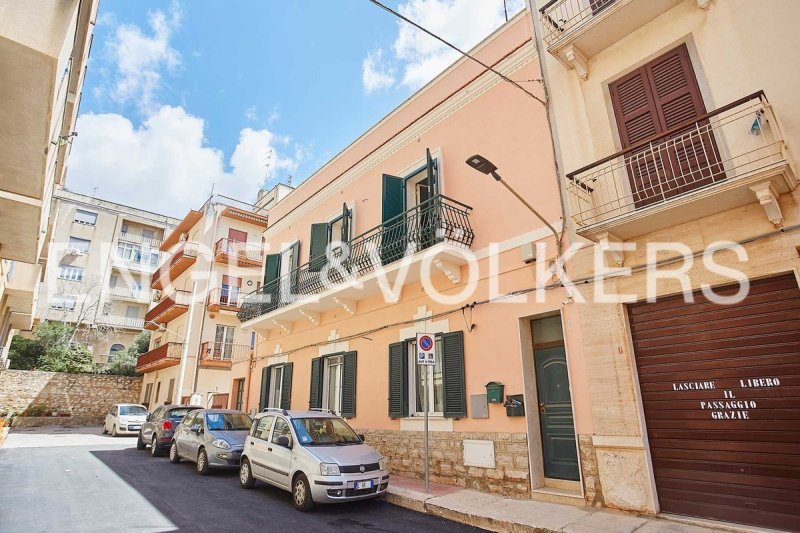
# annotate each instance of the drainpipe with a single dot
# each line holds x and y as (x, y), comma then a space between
(185, 347)
(205, 296)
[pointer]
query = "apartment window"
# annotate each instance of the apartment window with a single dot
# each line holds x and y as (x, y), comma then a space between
(229, 293)
(276, 380)
(148, 390)
(78, 245)
(10, 271)
(115, 350)
(124, 228)
(148, 233)
(135, 253)
(113, 281)
(171, 391)
(70, 273)
(63, 302)
(336, 230)
(276, 386)
(132, 312)
(333, 383)
(158, 391)
(239, 388)
(416, 382)
(85, 217)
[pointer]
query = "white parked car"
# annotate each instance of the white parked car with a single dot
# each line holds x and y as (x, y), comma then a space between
(316, 456)
(125, 419)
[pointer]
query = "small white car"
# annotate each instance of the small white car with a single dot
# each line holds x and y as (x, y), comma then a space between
(125, 419)
(314, 455)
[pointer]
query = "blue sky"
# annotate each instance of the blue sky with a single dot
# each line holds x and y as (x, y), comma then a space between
(183, 95)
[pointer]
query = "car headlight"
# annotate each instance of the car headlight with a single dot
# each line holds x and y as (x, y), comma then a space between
(382, 463)
(221, 444)
(329, 469)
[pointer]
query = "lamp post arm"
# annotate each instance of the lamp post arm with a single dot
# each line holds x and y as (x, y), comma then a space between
(535, 212)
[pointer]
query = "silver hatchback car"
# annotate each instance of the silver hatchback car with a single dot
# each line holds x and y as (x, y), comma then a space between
(314, 455)
(212, 438)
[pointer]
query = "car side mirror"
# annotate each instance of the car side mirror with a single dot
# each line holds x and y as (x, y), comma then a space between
(284, 441)
(148, 417)
(362, 437)
(195, 429)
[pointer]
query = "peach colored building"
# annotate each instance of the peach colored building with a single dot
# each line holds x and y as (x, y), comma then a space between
(214, 256)
(676, 123)
(431, 246)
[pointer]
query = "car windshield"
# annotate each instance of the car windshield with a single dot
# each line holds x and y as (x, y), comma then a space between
(227, 421)
(177, 414)
(321, 431)
(132, 410)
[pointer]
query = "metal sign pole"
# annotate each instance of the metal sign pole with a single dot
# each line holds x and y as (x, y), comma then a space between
(425, 430)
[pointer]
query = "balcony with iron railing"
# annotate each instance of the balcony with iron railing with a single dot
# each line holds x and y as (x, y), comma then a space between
(124, 322)
(576, 30)
(140, 295)
(237, 253)
(181, 259)
(225, 299)
(166, 355)
(168, 309)
(716, 162)
(437, 229)
(222, 354)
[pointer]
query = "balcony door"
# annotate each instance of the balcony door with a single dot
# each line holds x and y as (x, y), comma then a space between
(653, 102)
(223, 342)
(229, 292)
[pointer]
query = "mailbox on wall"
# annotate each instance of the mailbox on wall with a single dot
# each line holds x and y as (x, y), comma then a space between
(494, 392)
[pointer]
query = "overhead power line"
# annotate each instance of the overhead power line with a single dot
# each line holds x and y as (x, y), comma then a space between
(460, 51)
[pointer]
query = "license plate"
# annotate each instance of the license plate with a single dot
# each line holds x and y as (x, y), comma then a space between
(359, 485)
(131, 428)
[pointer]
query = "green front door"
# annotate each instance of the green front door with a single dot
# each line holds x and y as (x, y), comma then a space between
(555, 413)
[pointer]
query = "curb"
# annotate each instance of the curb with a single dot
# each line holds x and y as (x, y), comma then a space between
(483, 522)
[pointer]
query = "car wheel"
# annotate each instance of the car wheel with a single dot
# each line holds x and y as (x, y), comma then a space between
(301, 494)
(174, 458)
(154, 451)
(114, 430)
(202, 463)
(140, 445)
(246, 479)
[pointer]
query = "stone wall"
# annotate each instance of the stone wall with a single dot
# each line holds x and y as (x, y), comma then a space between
(592, 489)
(55, 396)
(404, 452)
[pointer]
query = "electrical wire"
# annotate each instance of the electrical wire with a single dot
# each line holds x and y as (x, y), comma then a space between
(460, 51)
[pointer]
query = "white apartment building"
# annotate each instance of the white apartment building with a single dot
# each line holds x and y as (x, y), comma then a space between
(97, 276)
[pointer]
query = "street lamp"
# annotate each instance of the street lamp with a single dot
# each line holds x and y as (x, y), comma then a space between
(481, 164)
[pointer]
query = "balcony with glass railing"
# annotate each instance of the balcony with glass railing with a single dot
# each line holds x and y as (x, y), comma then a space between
(168, 309)
(241, 254)
(183, 257)
(223, 354)
(716, 162)
(436, 230)
(164, 356)
(576, 30)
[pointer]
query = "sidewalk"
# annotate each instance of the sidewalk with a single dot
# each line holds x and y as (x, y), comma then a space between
(497, 513)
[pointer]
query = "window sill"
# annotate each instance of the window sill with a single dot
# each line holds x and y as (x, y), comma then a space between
(417, 423)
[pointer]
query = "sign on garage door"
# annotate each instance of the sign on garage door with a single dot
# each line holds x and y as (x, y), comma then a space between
(721, 392)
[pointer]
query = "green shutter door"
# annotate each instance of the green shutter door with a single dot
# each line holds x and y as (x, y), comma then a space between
(315, 394)
(398, 380)
(393, 233)
(265, 374)
(455, 394)
(319, 244)
(272, 268)
(349, 385)
(286, 386)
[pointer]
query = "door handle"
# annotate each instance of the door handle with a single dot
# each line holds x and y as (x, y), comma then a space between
(269, 449)
(542, 408)
(252, 443)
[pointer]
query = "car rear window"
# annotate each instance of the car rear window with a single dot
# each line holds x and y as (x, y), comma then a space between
(132, 410)
(177, 414)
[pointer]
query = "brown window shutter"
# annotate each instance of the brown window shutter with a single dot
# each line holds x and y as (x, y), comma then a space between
(677, 95)
(634, 108)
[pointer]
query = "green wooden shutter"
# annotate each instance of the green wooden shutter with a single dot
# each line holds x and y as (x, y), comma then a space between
(315, 394)
(393, 233)
(319, 244)
(265, 375)
(286, 386)
(272, 268)
(398, 380)
(347, 219)
(433, 178)
(455, 393)
(349, 385)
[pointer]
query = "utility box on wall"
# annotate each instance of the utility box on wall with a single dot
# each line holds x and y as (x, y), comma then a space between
(515, 405)
(494, 392)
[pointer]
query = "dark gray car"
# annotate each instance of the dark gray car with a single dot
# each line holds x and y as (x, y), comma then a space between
(160, 426)
(212, 438)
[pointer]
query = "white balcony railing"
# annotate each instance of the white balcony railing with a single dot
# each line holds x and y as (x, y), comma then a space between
(563, 18)
(737, 141)
(140, 239)
(139, 295)
(121, 321)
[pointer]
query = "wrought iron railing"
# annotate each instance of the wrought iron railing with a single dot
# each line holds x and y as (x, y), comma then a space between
(224, 351)
(438, 220)
(168, 351)
(563, 18)
(731, 143)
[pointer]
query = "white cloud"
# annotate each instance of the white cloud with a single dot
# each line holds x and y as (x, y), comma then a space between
(165, 166)
(141, 58)
(375, 75)
(251, 113)
(464, 23)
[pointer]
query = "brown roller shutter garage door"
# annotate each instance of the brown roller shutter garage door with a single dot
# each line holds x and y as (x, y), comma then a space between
(721, 392)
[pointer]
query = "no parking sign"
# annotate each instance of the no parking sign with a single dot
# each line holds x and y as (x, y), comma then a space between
(426, 349)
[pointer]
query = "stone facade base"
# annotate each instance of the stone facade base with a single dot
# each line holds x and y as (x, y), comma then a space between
(404, 452)
(592, 488)
(64, 421)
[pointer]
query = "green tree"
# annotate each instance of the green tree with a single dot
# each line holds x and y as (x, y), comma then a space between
(124, 364)
(54, 336)
(24, 354)
(64, 358)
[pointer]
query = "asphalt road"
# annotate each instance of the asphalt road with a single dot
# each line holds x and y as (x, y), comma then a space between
(68, 480)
